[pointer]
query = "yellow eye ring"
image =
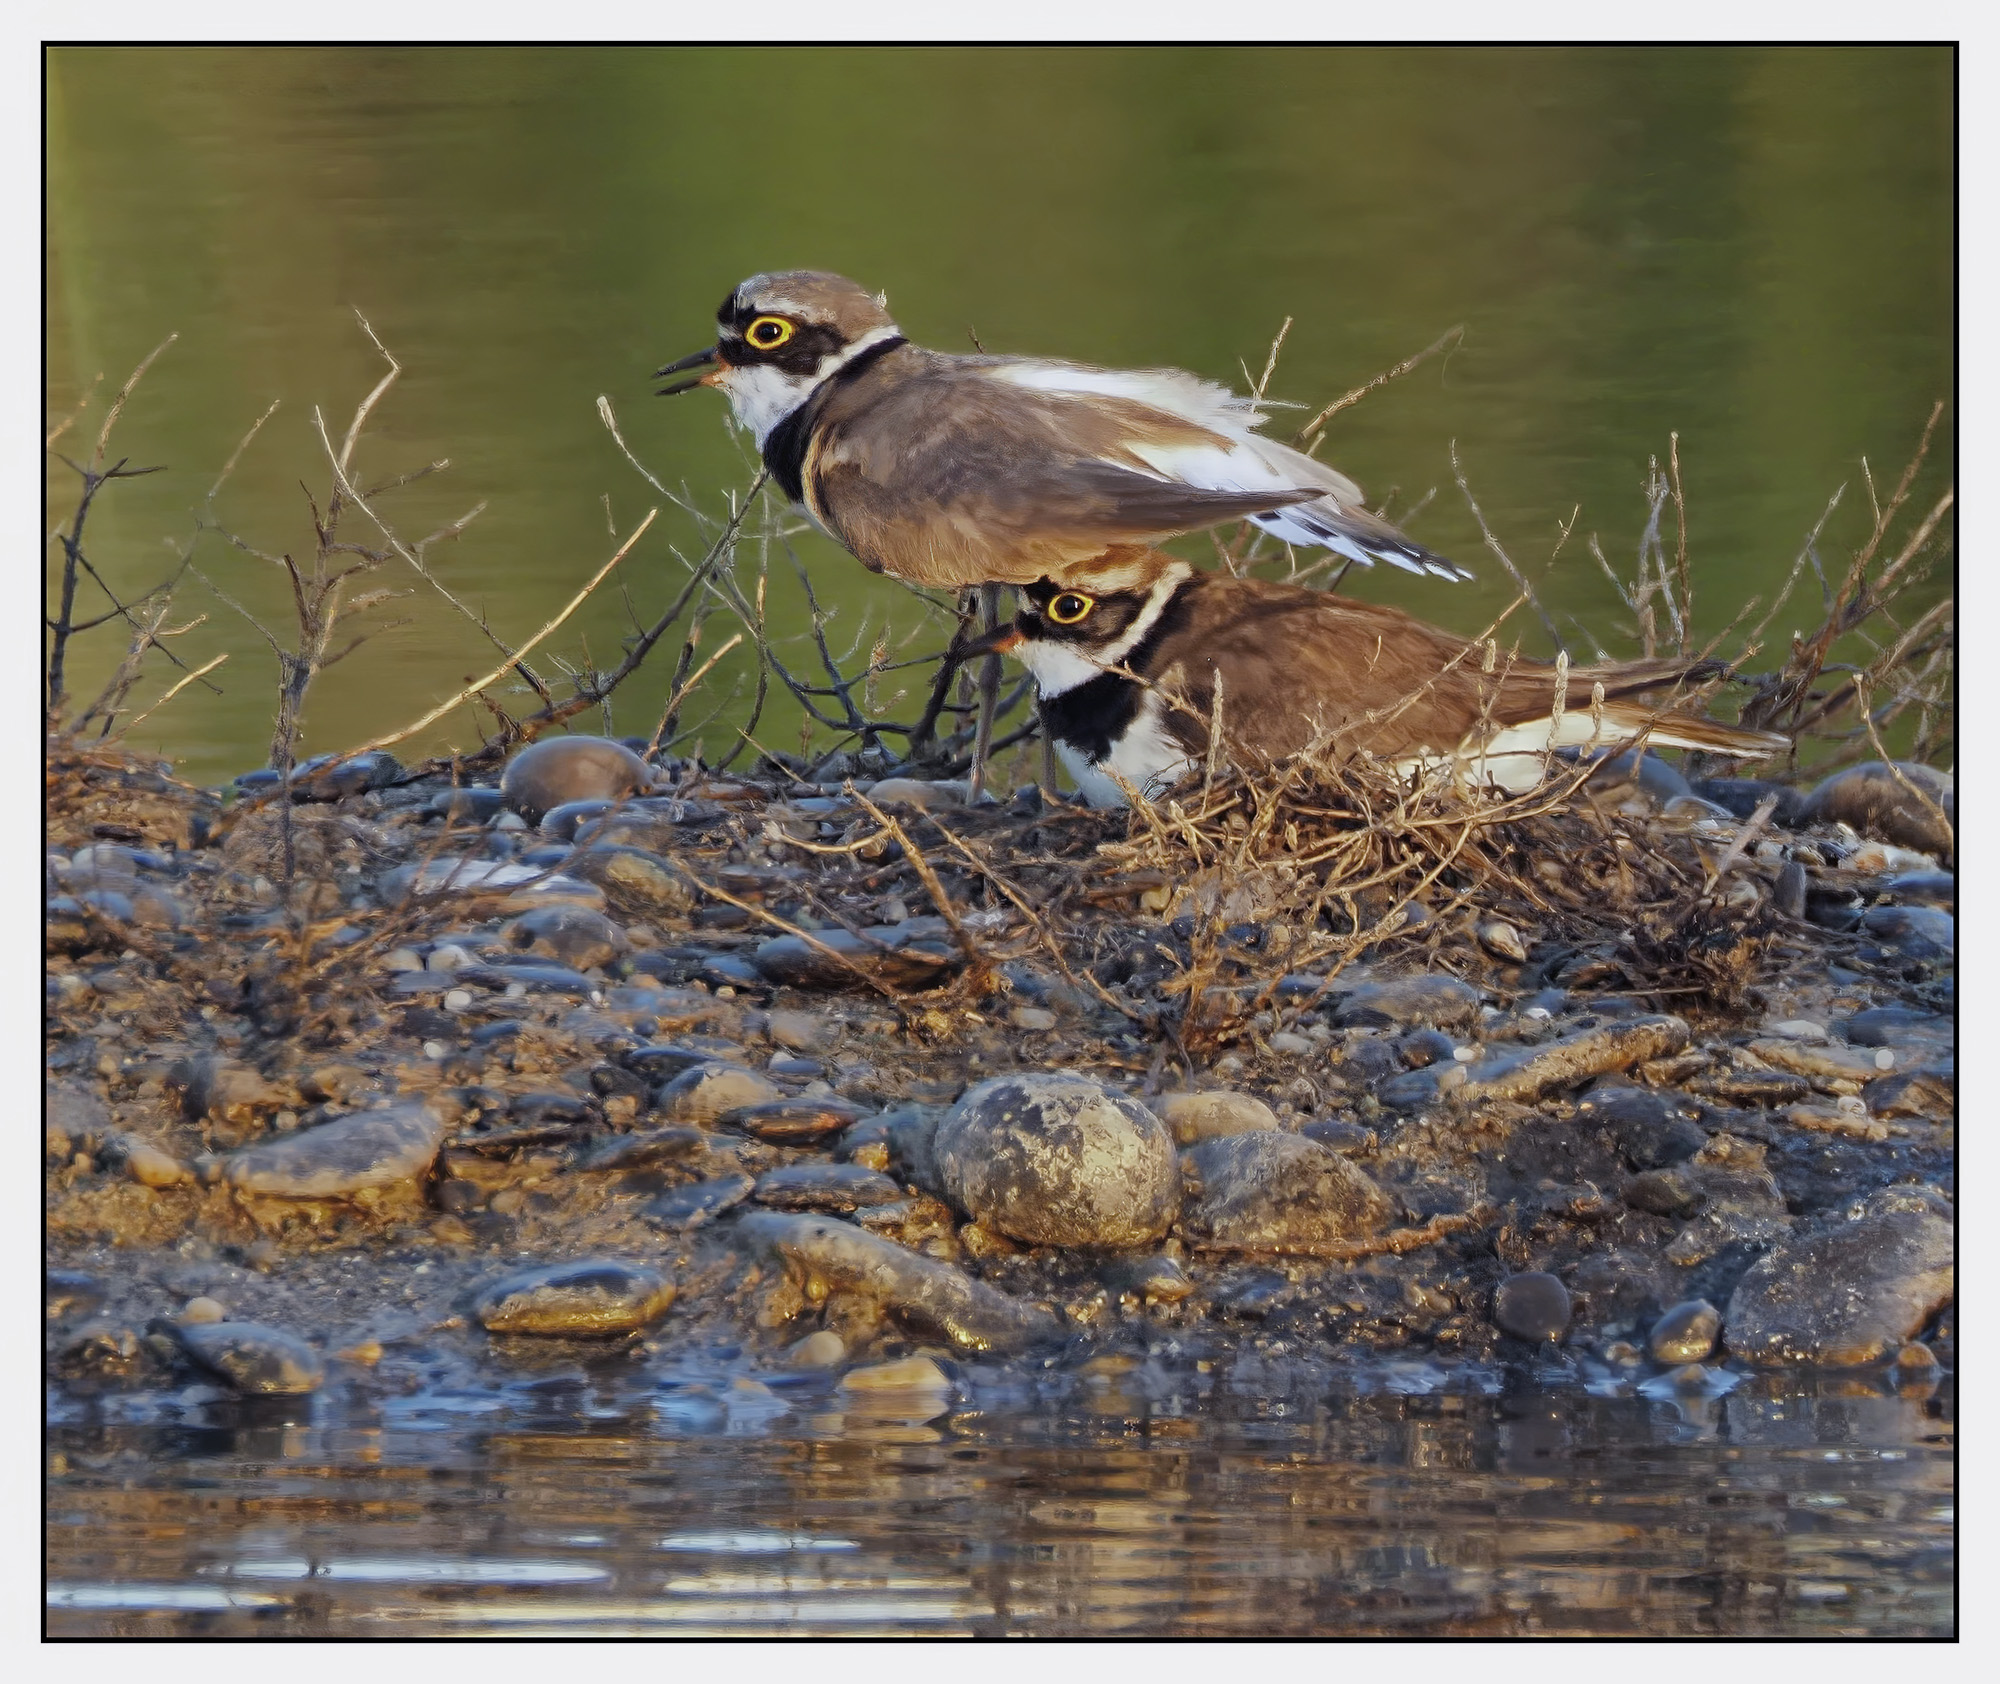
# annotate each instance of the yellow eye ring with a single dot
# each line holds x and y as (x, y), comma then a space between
(1066, 608)
(767, 333)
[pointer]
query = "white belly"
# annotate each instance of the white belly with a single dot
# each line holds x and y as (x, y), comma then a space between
(1145, 757)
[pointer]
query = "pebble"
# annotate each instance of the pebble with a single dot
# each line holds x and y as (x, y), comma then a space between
(1038, 1018)
(249, 1357)
(1211, 1112)
(804, 1032)
(636, 883)
(546, 774)
(1819, 1063)
(469, 805)
(1925, 1093)
(146, 1163)
(828, 1257)
(1533, 1306)
(1896, 1026)
(1846, 1295)
(1288, 1045)
(1917, 932)
(824, 1349)
(913, 1389)
(378, 1147)
(1686, 1333)
(693, 1206)
(704, 1092)
(591, 1296)
(1741, 797)
(1421, 1048)
(838, 1188)
(224, 1091)
(1502, 940)
(793, 962)
(456, 1000)
(1797, 1029)
(1418, 1090)
(1338, 1135)
(572, 935)
(1874, 800)
(1270, 1191)
(930, 797)
(1443, 1002)
(1058, 1159)
(204, 1309)
(792, 1122)
(647, 1150)
(1527, 1074)
(665, 1060)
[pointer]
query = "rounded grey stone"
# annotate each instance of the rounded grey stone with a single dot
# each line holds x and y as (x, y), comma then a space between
(1270, 1191)
(1686, 1333)
(250, 1357)
(591, 1295)
(560, 769)
(1899, 802)
(702, 1094)
(1061, 1160)
(375, 1148)
(1533, 1305)
(1212, 1112)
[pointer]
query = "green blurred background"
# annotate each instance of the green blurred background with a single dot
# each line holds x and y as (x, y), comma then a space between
(1752, 247)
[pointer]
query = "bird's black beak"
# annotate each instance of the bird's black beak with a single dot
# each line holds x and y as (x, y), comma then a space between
(1001, 640)
(694, 359)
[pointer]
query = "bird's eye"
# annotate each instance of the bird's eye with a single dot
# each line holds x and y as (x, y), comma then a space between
(1068, 607)
(767, 333)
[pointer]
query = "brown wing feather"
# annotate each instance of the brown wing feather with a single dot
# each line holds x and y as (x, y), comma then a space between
(928, 471)
(1295, 663)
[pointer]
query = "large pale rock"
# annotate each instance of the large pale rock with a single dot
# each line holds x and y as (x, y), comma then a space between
(1059, 1160)
(1269, 1191)
(374, 1148)
(1847, 1295)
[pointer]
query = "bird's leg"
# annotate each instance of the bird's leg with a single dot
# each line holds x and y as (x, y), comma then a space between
(989, 690)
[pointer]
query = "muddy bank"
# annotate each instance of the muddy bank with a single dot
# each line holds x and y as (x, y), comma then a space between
(418, 1084)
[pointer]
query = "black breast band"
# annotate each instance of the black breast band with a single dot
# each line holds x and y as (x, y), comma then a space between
(785, 445)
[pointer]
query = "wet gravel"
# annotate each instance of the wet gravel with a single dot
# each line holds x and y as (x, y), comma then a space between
(533, 1073)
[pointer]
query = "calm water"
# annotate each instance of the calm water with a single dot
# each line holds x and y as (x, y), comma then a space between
(1749, 247)
(1251, 1500)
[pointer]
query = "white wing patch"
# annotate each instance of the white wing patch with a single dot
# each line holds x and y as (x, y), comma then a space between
(1243, 461)
(1516, 757)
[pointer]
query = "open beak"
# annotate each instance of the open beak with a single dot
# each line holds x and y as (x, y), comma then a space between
(695, 359)
(1001, 640)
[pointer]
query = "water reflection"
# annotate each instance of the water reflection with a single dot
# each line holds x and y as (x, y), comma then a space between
(1773, 1508)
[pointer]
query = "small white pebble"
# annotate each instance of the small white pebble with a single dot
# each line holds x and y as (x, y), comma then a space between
(510, 821)
(1850, 1104)
(1465, 1055)
(434, 1049)
(200, 1311)
(515, 991)
(1885, 1058)
(725, 992)
(448, 956)
(457, 999)
(1290, 1045)
(1540, 1014)
(1798, 1029)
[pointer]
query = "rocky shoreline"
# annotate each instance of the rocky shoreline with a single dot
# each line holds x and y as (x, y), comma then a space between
(422, 1079)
